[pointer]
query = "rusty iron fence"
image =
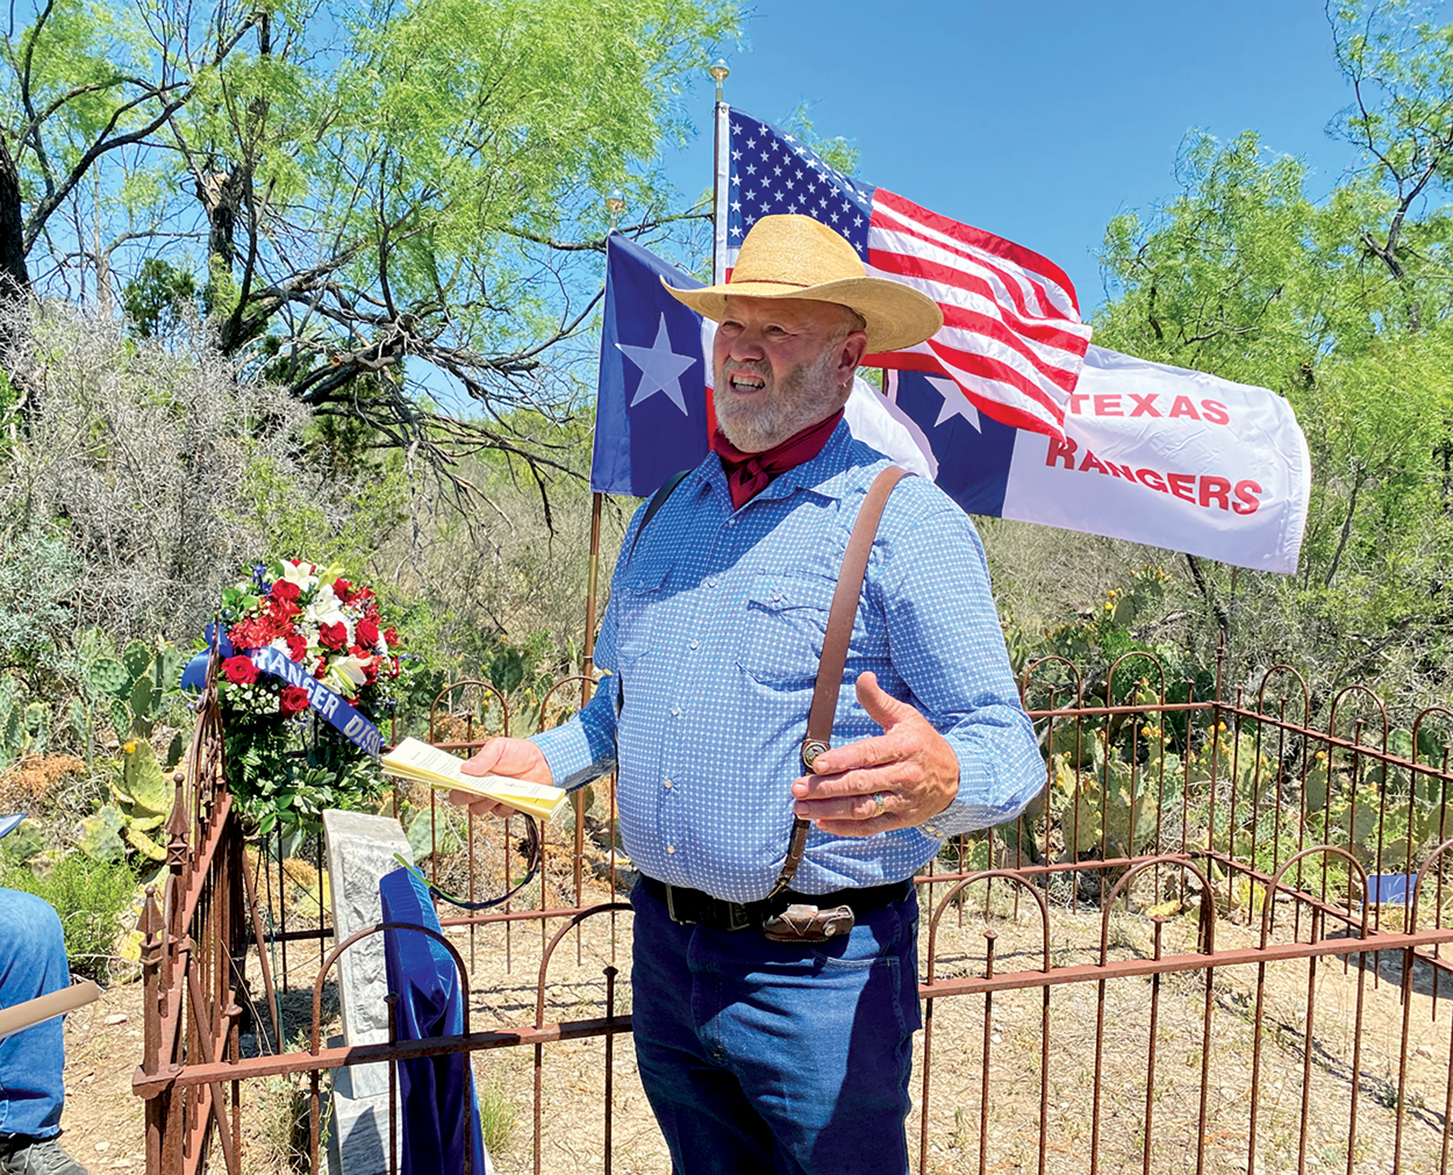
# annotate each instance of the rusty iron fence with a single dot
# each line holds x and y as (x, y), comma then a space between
(1215, 943)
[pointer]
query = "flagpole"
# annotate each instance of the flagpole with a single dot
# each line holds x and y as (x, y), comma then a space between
(721, 182)
(614, 204)
(587, 662)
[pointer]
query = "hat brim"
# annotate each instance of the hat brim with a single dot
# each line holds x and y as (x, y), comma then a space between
(896, 315)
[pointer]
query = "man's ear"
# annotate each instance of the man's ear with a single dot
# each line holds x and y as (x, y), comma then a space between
(850, 357)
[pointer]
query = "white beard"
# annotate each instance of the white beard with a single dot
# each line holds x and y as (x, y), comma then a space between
(804, 396)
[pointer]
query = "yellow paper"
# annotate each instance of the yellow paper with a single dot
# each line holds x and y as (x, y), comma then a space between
(418, 761)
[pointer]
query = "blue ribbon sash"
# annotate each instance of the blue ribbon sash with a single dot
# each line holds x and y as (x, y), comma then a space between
(352, 725)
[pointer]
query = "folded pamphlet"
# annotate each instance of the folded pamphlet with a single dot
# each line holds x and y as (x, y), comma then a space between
(418, 761)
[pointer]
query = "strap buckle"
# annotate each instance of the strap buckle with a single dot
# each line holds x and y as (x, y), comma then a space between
(811, 749)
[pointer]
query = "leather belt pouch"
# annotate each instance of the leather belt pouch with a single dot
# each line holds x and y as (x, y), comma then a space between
(800, 922)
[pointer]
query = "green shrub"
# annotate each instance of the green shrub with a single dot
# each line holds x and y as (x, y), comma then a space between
(90, 897)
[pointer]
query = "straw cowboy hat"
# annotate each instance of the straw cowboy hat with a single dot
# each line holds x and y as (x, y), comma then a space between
(792, 256)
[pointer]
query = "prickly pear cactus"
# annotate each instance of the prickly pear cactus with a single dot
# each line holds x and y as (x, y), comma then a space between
(143, 800)
(121, 719)
(137, 658)
(100, 837)
(168, 667)
(12, 726)
(37, 728)
(78, 719)
(144, 701)
(137, 684)
(110, 677)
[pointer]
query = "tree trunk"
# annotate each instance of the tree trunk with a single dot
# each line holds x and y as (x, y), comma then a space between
(14, 277)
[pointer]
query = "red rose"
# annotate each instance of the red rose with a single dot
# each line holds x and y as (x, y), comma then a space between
(239, 670)
(294, 700)
(320, 668)
(393, 666)
(285, 591)
(282, 611)
(366, 632)
(391, 636)
(370, 670)
(297, 646)
(342, 589)
(333, 636)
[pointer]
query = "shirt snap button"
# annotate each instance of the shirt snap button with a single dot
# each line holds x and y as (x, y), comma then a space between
(670, 848)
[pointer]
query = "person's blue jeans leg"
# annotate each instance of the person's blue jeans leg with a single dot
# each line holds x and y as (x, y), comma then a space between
(32, 963)
(762, 1056)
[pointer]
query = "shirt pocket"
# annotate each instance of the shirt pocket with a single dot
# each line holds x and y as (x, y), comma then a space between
(782, 629)
(637, 612)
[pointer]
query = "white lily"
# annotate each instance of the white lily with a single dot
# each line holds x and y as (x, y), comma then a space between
(348, 672)
(326, 608)
(299, 573)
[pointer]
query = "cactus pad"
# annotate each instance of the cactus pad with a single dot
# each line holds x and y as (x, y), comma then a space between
(144, 697)
(142, 778)
(138, 659)
(100, 837)
(110, 677)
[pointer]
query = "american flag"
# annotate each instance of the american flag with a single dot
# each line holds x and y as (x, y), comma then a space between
(1012, 338)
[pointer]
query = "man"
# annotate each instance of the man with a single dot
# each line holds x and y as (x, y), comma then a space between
(760, 1055)
(32, 1092)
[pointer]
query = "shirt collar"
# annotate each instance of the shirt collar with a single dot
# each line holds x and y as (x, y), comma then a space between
(823, 475)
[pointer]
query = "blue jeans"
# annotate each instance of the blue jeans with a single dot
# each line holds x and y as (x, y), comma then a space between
(761, 1056)
(32, 963)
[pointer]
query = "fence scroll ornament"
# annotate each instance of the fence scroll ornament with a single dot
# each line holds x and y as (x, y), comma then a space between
(1200, 982)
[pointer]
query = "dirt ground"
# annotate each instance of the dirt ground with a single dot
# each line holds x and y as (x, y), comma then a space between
(103, 1118)
(102, 1123)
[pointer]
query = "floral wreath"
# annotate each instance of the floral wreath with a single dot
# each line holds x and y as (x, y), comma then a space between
(316, 618)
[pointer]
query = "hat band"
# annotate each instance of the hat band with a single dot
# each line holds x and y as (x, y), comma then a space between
(769, 281)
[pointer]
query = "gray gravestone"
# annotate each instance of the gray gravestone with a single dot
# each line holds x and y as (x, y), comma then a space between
(360, 851)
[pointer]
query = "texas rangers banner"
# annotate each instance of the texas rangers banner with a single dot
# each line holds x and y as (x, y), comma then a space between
(1152, 454)
(651, 416)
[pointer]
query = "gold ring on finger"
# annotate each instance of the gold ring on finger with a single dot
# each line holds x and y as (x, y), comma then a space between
(878, 804)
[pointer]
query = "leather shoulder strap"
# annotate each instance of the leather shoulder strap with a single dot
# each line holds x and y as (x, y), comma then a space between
(658, 499)
(834, 657)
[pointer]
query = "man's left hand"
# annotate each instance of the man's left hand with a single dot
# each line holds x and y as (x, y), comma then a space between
(905, 776)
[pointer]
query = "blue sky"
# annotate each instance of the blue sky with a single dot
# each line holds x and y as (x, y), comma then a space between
(1036, 121)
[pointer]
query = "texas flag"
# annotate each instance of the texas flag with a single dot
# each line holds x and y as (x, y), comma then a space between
(653, 412)
(1152, 454)
(652, 417)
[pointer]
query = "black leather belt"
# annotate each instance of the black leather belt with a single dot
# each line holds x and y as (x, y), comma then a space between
(692, 907)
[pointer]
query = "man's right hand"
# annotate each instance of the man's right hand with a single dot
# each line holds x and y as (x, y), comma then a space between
(518, 758)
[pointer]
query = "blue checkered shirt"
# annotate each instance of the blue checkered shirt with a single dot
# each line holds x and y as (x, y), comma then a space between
(712, 638)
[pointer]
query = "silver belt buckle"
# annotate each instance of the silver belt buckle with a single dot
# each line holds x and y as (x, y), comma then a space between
(671, 908)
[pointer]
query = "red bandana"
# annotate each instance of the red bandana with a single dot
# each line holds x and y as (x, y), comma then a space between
(750, 473)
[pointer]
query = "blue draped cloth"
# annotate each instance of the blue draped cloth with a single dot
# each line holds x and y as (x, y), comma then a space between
(436, 1094)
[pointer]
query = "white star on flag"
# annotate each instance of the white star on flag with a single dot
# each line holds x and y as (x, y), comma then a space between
(661, 369)
(955, 403)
